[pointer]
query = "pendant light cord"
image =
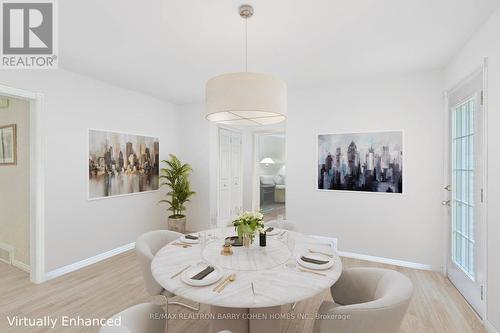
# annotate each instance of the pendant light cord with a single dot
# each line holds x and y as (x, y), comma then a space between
(246, 45)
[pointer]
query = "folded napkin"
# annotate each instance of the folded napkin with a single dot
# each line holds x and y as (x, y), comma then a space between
(269, 229)
(314, 261)
(191, 237)
(201, 275)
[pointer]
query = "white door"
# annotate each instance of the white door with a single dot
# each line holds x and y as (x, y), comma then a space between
(466, 263)
(230, 194)
(236, 174)
(224, 195)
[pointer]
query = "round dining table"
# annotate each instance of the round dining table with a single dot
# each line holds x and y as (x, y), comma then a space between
(265, 278)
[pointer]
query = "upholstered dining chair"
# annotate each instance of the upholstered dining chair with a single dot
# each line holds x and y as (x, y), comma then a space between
(146, 246)
(371, 300)
(287, 224)
(140, 318)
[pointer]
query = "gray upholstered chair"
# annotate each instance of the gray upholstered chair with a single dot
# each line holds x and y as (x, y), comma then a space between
(146, 247)
(140, 318)
(371, 300)
(287, 225)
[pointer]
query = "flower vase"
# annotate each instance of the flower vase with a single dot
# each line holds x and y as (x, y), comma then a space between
(247, 240)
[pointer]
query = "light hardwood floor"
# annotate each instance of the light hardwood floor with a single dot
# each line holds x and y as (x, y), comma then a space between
(112, 285)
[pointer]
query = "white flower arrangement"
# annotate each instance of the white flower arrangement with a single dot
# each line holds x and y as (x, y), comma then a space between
(249, 223)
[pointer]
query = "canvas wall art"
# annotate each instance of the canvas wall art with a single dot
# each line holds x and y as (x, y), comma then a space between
(366, 162)
(121, 164)
(8, 145)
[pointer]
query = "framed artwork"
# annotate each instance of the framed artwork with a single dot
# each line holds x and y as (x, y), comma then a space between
(360, 162)
(121, 164)
(8, 145)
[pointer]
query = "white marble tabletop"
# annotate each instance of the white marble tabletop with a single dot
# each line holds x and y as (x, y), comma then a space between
(275, 281)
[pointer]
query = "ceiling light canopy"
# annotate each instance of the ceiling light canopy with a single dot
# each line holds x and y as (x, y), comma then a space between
(246, 98)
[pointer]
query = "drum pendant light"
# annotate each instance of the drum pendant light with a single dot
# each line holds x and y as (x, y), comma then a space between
(245, 98)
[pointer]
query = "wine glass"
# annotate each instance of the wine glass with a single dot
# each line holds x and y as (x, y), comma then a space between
(290, 243)
(212, 233)
(202, 242)
(280, 218)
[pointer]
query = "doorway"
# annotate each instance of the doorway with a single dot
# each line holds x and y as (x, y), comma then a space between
(15, 177)
(270, 174)
(36, 214)
(466, 262)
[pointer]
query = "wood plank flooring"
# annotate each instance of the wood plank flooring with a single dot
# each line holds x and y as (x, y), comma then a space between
(112, 285)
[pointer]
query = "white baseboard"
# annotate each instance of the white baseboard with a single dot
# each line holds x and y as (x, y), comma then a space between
(389, 261)
(89, 261)
(489, 326)
(21, 265)
(10, 252)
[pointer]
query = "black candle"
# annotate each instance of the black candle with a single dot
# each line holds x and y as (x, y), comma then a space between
(262, 238)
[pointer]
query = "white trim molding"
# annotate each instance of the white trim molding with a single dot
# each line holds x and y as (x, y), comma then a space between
(389, 261)
(37, 183)
(489, 326)
(87, 262)
(21, 265)
(10, 250)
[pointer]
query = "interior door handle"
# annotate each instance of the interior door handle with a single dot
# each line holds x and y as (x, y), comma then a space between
(446, 203)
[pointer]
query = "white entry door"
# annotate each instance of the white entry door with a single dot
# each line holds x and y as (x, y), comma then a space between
(467, 262)
(230, 174)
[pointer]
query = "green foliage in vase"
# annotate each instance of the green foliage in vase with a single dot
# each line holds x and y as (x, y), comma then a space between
(249, 223)
(176, 178)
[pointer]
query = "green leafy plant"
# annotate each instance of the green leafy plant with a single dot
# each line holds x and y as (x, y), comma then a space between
(176, 177)
(249, 223)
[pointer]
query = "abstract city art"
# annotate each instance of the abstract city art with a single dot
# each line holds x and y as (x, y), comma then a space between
(8, 145)
(366, 162)
(121, 164)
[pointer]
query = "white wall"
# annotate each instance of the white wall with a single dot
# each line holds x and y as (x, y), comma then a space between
(485, 43)
(405, 227)
(14, 184)
(75, 228)
(373, 224)
(194, 148)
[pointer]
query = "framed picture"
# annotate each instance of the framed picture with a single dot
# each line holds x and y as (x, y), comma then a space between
(121, 164)
(360, 162)
(8, 145)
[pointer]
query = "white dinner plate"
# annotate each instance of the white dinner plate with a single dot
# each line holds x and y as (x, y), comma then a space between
(317, 256)
(183, 239)
(274, 232)
(207, 280)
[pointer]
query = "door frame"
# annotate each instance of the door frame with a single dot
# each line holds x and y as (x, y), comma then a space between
(37, 179)
(481, 69)
(255, 179)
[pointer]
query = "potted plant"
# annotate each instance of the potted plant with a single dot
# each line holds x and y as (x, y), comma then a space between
(247, 225)
(176, 177)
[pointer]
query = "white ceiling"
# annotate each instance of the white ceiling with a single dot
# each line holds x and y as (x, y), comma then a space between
(169, 48)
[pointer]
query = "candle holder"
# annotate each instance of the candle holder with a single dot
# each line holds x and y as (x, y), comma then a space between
(226, 248)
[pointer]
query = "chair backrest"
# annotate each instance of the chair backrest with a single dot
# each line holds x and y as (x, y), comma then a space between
(266, 180)
(146, 247)
(140, 318)
(287, 224)
(367, 300)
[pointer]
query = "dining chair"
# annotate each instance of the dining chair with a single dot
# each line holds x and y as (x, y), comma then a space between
(366, 299)
(146, 246)
(139, 318)
(287, 224)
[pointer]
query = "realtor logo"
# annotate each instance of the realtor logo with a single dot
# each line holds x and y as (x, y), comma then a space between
(28, 34)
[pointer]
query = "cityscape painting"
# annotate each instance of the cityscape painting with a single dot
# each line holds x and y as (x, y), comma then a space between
(121, 164)
(367, 162)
